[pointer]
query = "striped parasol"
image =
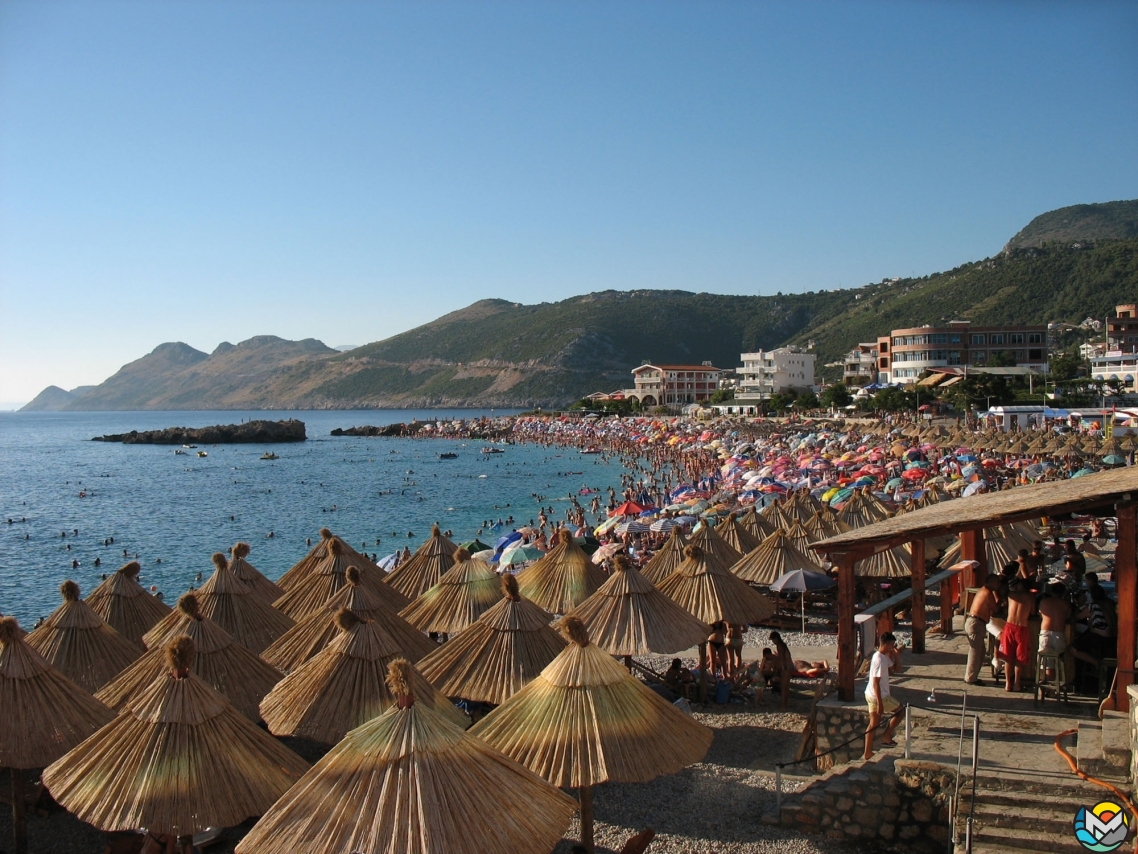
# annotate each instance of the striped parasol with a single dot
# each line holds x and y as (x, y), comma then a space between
(343, 686)
(463, 594)
(373, 575)
(496, 655)
(180, 759)
(563, 578)
(665, 561)
(79, 644)
(234, 607)
(312, 634)
(775, 557)
(246, 572)
(222, 663)
(408, 782)
(707, 589)
(125, 604)
(629, 616)
(586, 720)
(424, 569)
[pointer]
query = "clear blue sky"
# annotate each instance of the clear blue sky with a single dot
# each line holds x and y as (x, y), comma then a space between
(208, 171)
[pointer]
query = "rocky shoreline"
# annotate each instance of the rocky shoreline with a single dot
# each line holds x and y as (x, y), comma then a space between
(248, 432)
(415, 428)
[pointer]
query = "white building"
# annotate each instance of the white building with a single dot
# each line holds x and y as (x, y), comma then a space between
(772, 371)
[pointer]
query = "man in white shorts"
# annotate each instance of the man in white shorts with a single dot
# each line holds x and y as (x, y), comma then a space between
(877, 695)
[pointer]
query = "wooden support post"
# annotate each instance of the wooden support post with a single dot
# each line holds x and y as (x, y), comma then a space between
(1126, 586)
(586, 794)
(972, 548)
(918, 600)
(847, 641)
(947, 594)
(19, 809)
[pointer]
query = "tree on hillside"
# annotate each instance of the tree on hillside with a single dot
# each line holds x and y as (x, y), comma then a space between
(1066, 365)
(980, 390)
(836, 396)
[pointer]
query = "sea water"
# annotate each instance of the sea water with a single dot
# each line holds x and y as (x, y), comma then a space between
(174, 510)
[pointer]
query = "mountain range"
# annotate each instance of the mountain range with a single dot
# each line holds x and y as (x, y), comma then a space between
(1063, 266)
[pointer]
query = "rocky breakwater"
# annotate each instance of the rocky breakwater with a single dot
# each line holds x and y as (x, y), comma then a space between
(247, 432)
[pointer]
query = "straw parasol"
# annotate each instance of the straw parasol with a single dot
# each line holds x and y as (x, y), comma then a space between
(313, 633)
(234, 607)
(498, 654)
(563, 579)
(896, 562)
(125, 604)
(325, 579)
(665, 561)
(245, 571)
(776, 556)
(373, 575)
(468, 589)
(586, 720)
(707, 589)
(424, 568)
(222, 663)
(79, 644)
(629, 616)
(759, 526)
(178, 760)
(824, 524)
(343, 686)
(712, 543)
(410, 782)
(738, 537)
(45, 715)
(799, 535)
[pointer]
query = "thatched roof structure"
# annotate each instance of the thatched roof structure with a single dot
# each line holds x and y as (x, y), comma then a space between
(125, 604)
(372, 574)
(496, 655)
(629, 616)
(423, 570)
(776, 556)
(410, 782)
(465, 591)
(221, 662)
(664, 562)
(896, 562)
(45, 713)
(823, 524)
(232, 606)
(738, 537)
(246, 572)
(313, 633)
(711, 543)
(343, 686)
(322, 582)
(759, 526)
(799, 535)
(562, 579)
(79, 644)
(178, 760)
(586, 720)
(706, 588)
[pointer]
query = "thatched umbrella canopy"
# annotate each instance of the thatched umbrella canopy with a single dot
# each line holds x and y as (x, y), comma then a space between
(759, 526)
(629, 616)
(498, 654)
(424, 569)
(245, 571)
(343, 686)
(586, 720)
(45, 714)
(125, 604)
(706, 588)
(802, 505)
(777, 556)
(891, 563)
(408, 782)
(313, 633)
(664, 562)
(373, 575)
(79, 644)
(562, 579)
(178, 760)
(799, 535)
(777, 516)
(712, 543)
(468, 589)
(324, 581)
(234, 607)
(738, 537)
(823, 525)
(222, 663)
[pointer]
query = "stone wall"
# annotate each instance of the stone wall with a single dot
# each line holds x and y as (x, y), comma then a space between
(885, 800)
(837, 723)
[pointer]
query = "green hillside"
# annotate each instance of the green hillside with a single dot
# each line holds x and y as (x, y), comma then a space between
(1105, 221)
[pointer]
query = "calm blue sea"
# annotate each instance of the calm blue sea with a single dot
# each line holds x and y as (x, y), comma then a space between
(174, 511)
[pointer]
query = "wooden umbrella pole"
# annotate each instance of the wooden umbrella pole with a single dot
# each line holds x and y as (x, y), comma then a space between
(19, 805)
(628, 662)
(586, 795)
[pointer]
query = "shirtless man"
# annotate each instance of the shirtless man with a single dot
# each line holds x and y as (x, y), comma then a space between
(1013, 642)
(1054, 612)
(984, 605)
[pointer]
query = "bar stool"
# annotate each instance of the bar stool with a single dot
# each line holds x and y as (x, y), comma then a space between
(1053, 661)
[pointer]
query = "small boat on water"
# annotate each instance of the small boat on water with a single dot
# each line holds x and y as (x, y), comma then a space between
(448, 456)
(189, 446)
(269, 455)
(590, 451)
(202, 454)
(493, 451)
(179, 451)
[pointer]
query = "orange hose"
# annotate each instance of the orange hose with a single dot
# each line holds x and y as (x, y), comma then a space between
(1121, 795)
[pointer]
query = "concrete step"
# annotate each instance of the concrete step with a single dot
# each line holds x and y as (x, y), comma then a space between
(1005, 840)
(1038, 817)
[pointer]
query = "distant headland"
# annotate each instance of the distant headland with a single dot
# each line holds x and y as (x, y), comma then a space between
(248, 432)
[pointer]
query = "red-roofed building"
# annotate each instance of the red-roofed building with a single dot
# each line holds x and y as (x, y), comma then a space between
(675, 385)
